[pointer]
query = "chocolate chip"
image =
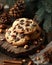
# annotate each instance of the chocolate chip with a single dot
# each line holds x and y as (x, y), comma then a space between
(27, 24)
(27, 29)
(13, 35)
(17, 39)
(22, 22)
(27, 21)
(14, 31)
(15, 27)
(7, 37)
(22, 35)
(34, 25)
(19, 27)
(30, 21)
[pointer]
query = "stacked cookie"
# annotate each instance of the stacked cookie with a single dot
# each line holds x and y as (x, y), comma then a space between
(22, 31)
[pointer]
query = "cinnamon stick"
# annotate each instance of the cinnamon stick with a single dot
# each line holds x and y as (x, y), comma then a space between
(11, 62)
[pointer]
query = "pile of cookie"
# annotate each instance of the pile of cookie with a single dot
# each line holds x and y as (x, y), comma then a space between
(22, 31)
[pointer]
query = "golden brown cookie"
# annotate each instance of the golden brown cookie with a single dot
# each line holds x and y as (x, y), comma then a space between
(27, 26)
(15, 38)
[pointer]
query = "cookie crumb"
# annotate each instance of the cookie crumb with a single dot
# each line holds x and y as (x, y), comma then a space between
(26, 47)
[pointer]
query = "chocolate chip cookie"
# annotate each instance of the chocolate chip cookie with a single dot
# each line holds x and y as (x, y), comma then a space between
(25, 25)
(22, 31)
(16, 38)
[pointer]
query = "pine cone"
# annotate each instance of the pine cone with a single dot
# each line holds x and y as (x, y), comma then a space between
(18, 8)
(4, 18)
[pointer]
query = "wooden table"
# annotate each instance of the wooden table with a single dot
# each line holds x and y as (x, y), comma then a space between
(6, 57)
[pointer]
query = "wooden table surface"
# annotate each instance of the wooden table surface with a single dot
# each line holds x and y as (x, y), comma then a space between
(6, 57)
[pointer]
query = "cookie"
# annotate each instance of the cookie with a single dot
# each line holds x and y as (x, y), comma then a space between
(25, 25)
(15, 38)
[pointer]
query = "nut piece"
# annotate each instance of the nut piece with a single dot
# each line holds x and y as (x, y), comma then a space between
(30, 63)
(41, 39)
(26, 47)
(1, 31)
(37, 58)
(24, 60)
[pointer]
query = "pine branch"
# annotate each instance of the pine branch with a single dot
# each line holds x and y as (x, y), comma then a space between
(39, 15)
